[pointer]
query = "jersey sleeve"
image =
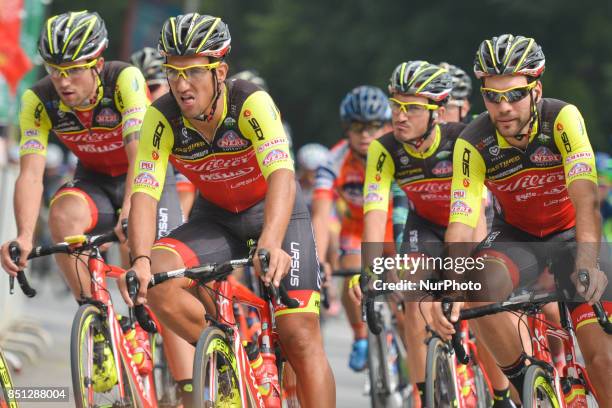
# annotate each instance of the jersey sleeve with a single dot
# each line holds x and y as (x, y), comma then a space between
(325, 178)
(154, 148)
(35, 125)
(260, 121)
(467, 188)
(131, 99)
(572, 141)
(380, 171)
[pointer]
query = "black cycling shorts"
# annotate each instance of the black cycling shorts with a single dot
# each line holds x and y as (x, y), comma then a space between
(104, 196)
(213, 234)
(422, 237)
(526, 257)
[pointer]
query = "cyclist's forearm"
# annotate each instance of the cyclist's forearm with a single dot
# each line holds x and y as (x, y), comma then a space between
(584, 196)
(321, 208)
(131, 149)
(374, 225)
(141, 224)
(279, 202)
(26, 202)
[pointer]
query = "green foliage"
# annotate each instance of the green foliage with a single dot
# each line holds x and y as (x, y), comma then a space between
(312, 52)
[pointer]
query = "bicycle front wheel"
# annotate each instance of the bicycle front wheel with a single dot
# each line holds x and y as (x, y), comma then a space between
(95, 373)
(6, 385)
(440, 390)
(538, 389)
(215, 372)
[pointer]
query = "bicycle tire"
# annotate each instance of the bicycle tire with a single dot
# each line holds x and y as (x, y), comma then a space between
(89, 319)
(538, 391)
(483, 395)
(387, 387)
(288, 383)
(212, 345)
(6, 384)
(165, 386)
(440, 387)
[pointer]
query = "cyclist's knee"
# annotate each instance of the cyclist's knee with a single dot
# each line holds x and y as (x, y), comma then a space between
(157, 296)
(68, 215)
(596, 348)
(301, 336)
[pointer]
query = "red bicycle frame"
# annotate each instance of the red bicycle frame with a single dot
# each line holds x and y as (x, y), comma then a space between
(231, 289)
(99, 271)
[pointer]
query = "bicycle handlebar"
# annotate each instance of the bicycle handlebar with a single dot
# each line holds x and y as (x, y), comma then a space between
(204, 274)
(89, 242)
(456, 341)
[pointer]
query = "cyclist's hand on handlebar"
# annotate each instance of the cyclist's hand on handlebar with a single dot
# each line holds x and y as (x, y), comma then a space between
(143, 272)
(280, 261)
(597, 284)
(9, 266)
(119, 227)
(440, 323)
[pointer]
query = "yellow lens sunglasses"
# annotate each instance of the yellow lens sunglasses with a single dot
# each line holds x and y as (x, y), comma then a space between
(173, 72)
(411, 107)
(56, 70)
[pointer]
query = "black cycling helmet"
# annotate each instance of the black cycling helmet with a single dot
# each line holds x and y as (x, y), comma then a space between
(149, 61)
(72, 36)
(509, 55)
(420, 78)
(462, 83)
(195, 34)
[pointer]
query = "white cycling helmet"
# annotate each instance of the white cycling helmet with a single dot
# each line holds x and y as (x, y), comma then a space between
(311, 156)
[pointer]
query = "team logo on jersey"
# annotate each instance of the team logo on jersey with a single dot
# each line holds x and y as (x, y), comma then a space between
(146, 165)
(559, 127)
(247, 113)
(404, 160)
(231, 141)
(146, 180)
(271, 143)
(185, 136)
(229, 122)
(458, 194)
(61, 114)
(37, 114)
(466, 182)
(461, 207)
(579, 168)
(107, 117)
(31, 133)
(578, 156)
(154, 155)
(373, 198)
(543, 155)
(444, 154)
(275, 156)
(494, 150)
(106, 102)
(544, 139)
(32, 145)
(443, 168)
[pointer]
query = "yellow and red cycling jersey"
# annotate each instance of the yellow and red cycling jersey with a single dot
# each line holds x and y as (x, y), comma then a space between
(231, 171)
(95, 133)
(530, 187)
(425, 176)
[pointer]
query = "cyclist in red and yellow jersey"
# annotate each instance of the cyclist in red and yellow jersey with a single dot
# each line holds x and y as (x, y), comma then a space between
(417, 155)
(150, 61)
(227, 138)
(365, 115)
(534, 155)
(95, 108)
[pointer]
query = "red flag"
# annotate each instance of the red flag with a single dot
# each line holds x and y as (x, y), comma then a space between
(14, 63)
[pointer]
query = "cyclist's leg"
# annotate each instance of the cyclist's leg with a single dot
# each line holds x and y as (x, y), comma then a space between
(78, 207)
(509, 262)
(596, 346)
(350, 248)
(421, 239)
(299, 329)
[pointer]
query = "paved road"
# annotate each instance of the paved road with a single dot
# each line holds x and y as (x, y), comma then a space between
(54, 312)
